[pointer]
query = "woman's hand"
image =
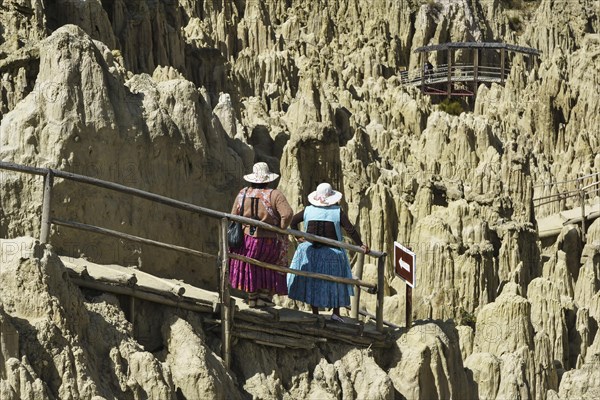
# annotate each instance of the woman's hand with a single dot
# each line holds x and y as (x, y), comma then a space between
(365, 248)
(300, 239)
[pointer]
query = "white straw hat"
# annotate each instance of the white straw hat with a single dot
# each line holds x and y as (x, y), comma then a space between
(261, 174)
(324, 195)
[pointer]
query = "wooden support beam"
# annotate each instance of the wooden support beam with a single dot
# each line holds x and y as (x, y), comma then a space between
(423, 72)
(475, 70)
(502, 61)
(163, 299)
(380, 296)
(275, 340)
(370, 315)
(449, 87)
(122, 279)
(359, 273)
(226, 300)
(132, 311)
(175, 288)
(408, 302)
(46, 204)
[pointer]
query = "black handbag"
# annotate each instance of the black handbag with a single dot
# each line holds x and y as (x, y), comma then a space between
(235, 230)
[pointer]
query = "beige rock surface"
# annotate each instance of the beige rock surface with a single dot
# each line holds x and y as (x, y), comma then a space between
(73, 346)
(155, 134)
(547, 315)
(195, 370)
(338, 371)
(181, 97)
(486, 370)
(430, 353)
(99, 355)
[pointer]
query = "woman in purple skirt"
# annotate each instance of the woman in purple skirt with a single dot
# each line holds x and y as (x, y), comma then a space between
(269, 206)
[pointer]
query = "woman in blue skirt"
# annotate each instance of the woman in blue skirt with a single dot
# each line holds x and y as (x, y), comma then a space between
(323, 218)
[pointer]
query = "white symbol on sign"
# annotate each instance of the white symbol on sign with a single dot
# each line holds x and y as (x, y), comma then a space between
(404, 265)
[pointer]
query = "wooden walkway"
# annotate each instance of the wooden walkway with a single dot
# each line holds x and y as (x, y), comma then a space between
(585, 188)
(273, 326)
(551, 225)
(269, 326)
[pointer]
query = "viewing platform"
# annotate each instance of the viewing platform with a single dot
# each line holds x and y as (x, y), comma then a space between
(462, 79)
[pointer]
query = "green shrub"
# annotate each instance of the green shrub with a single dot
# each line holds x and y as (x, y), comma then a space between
(452, 107)
(515, 23)
(435, 6)
(512, 4)
(467, 318)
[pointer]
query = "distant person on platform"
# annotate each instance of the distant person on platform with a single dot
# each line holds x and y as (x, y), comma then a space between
(269, 206)
(428, 69)
(323, 218)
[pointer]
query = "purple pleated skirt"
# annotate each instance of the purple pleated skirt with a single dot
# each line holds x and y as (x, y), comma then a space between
(252, 278)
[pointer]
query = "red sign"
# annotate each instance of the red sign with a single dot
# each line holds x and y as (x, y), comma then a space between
(405, 262)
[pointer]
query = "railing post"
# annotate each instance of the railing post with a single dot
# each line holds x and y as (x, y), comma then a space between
(359, 273)
(132, 312)
(46, 203)
(423, 72)
(408, 301)
(502, 56)
(582, 202)
(380, 293)
(475, 70)
(449, 73)
(227, 303)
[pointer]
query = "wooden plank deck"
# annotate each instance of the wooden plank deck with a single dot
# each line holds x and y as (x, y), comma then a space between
(551, 225)
(271, 326)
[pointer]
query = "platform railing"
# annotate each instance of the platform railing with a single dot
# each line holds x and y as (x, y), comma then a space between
(457, 73)
(585, 186)
(227, 303)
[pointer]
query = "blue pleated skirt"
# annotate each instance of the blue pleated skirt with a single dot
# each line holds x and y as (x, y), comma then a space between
(317, 292)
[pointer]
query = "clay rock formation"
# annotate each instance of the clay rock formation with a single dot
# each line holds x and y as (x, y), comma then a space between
(157, 134)
(430, 353)
(510, 357)
(54, 328)
(338, 372)
(62, 342)
(181, 97)
(197, 370)
(23, 24)
(564, 30)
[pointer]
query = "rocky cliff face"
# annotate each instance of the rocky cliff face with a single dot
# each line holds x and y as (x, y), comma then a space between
(181, 97)
(58, 342)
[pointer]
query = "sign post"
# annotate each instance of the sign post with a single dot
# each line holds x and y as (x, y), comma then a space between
(405, 263)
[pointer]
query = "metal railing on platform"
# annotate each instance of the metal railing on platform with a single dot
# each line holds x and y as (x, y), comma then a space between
(457, 73)
(585, 186)
(227, 303)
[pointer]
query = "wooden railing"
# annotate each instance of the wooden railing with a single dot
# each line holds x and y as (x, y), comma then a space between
(456, 73)
(583, 191)
(227, 303)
